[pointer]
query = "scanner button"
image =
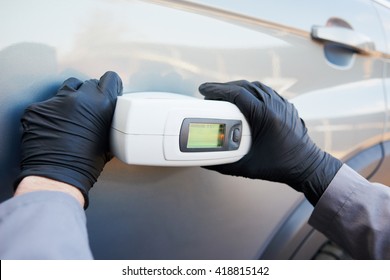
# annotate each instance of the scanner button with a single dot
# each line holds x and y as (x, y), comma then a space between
(236, 135)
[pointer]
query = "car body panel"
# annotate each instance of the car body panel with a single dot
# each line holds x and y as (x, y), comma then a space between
(139, 212)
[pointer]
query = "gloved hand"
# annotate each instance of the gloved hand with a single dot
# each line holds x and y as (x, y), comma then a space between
(281, 149)
(66, 138)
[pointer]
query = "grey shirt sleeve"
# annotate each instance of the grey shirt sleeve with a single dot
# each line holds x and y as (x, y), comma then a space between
(43, 225)
(355, 214)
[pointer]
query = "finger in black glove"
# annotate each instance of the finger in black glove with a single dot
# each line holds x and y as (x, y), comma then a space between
(65, 138)
(281, 150)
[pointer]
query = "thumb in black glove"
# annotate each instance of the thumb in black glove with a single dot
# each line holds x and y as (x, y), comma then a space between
(66, 137)
(281, 149)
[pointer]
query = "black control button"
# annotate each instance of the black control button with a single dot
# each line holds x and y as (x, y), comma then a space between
(236, 135)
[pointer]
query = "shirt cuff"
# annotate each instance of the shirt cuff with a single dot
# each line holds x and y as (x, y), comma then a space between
(335, 198)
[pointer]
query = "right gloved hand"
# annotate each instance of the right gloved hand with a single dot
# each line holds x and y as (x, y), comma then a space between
(281, 149)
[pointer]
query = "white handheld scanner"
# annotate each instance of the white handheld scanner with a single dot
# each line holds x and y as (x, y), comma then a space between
(165, 129)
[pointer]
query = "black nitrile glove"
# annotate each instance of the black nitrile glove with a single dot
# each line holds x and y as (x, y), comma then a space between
(281, 149)
(66, 138)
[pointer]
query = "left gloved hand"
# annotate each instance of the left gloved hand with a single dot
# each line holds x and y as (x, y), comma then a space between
(66, 138)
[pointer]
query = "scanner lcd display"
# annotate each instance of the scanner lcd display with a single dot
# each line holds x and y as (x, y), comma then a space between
(205, 135)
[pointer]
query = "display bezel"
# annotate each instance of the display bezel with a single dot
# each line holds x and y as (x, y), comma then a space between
(231, 127)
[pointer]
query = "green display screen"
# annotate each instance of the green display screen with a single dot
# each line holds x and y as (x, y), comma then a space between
(205, 135)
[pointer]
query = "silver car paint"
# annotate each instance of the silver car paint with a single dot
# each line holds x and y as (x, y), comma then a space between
(190, 213)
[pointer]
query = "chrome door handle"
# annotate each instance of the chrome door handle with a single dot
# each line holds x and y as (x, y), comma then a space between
(343, 36)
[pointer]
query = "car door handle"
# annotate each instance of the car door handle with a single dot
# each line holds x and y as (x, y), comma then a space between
(343, 36)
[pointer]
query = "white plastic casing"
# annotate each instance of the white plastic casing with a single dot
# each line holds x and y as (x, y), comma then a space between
(146, 127)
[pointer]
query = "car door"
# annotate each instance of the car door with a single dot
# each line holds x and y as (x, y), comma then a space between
(383, 9)
(336, 85)
(332, 66)
(139, 212)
